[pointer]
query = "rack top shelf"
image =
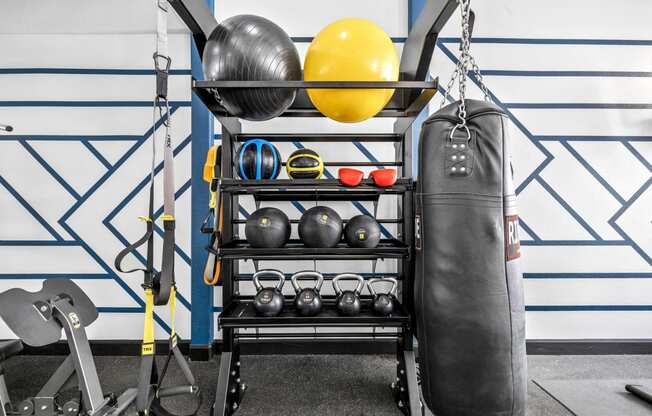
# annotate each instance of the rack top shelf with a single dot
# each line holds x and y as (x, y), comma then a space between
(321, 137)
(401, 105)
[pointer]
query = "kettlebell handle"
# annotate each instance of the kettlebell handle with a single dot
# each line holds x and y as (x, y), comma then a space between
(393, 281)
(269, 272)
(348, 276)
(315, 275)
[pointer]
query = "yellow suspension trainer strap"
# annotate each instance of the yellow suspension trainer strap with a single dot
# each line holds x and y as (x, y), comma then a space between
(213, 175)
(160, 287)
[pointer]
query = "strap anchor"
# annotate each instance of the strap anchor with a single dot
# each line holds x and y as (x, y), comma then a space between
(162, 72)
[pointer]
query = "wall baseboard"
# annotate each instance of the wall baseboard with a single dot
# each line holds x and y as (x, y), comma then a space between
(590, 347)
(303, 346)
(105, 348)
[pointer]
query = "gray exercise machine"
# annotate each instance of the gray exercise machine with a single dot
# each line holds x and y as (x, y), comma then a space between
(37, 318)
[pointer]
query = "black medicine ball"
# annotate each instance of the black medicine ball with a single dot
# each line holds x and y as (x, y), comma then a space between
(320, 227)
(362, 231)
(268, 228)
(258, 159)
(304, 164)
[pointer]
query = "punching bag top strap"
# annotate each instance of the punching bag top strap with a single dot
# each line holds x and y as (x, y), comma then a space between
(474, 108)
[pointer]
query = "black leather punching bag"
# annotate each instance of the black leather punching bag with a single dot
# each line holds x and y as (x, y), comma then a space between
(468, 290)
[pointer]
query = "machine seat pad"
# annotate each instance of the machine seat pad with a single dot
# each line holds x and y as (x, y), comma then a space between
(18, 308)
(10, 348)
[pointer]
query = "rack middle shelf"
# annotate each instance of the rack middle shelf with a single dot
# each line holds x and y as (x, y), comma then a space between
(296, 250)
(285, 188)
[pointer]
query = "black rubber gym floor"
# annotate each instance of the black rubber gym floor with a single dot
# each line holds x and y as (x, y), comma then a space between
(322, 384)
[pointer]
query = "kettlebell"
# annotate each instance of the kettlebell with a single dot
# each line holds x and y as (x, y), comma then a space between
(308, 300)
(348, 301)
(269, 300)
(383, 303)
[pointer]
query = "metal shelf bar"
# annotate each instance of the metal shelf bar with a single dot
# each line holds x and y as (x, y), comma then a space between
(322, 137)
(405, 85)
(293, 221)
(240, 249)
(242, 314)
(330, 335)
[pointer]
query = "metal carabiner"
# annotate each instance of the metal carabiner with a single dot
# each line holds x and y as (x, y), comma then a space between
(458, 126)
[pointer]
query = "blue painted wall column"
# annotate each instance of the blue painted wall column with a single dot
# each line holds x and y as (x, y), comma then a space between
(202, 139)
(414, 10)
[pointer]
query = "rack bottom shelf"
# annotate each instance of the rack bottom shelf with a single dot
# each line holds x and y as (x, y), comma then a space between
(242, 314)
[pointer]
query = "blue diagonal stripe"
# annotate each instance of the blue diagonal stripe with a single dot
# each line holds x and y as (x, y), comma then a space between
(620, 212)
(363, 149)
(637, 154)
(96, 153)
(593, 172)
(528, 230)
(30, 209)
(244, 212)
(568, 208)
(45, 165)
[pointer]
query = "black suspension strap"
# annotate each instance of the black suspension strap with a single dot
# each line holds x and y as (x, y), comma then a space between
(160, 286)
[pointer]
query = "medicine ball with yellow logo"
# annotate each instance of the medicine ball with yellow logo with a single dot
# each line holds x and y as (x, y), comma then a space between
(362, 231)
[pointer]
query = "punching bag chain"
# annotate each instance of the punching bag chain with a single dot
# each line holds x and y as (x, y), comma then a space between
(465, 62)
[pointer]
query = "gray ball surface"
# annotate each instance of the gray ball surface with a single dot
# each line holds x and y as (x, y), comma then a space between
(252, 48)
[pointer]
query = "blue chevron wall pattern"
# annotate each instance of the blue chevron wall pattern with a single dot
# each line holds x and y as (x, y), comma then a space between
(74, 173)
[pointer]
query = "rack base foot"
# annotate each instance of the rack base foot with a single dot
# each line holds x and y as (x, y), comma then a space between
(230, 388)
(405, 388)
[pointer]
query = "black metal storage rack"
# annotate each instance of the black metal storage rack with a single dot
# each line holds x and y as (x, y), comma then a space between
(412, 94)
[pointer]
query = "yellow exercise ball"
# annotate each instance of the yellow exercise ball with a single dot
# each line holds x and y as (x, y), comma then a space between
(351, 50)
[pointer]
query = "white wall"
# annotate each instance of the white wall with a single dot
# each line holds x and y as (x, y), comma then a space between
(576, 78)
(75, 81)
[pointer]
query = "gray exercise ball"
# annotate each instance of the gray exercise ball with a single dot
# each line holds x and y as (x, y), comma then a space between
(252, 48)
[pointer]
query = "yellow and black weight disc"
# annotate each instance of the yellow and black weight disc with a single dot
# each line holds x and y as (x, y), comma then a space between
(304, 164)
